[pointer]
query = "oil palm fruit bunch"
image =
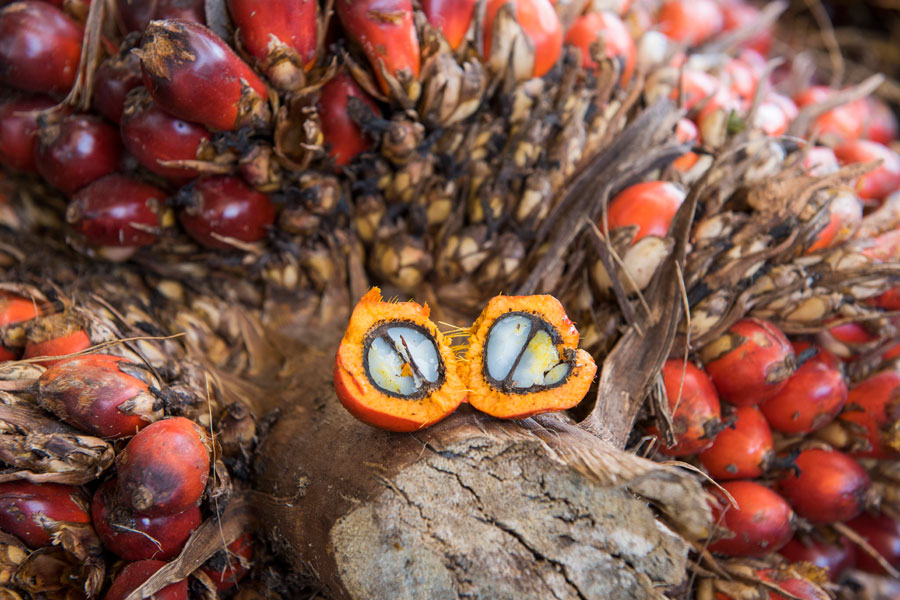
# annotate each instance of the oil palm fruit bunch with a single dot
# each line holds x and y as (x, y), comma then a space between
(721, 227)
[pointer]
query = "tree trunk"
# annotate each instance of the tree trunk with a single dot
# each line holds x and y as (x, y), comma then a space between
(473, 507)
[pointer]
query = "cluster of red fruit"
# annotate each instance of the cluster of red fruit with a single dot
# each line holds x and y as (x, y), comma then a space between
(146, 512)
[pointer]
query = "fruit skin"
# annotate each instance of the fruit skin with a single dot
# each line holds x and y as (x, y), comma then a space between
(138, 537)
(840, 124)
(691, 21)
(341, 134)
(618, 44)
(153, 135)
(33, 512)
(164, 468)
(116, 76)
(541, 25)
(385, 31)
(762, 524)
(135, 15)
(885, 179)
(18, 131)
(696, 419)
(450, 17)
(742, 450)
(225, 206)
(831, 486)
(883, 533)
(136, 573)
(750, 363)
(650, 205)
(106, 210)
(96, 394)
(76, 151)
(70, 341)
(833, 557)
(227, 568)
(40, 46)
(14, 309)
(872, 411)
(192, 74)
(881, 125)
(845, 214)
(812, 396)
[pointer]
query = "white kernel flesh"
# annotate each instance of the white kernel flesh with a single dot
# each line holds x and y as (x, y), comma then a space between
(421, 347)
(538, 362)
(507, 338)
(386, 369)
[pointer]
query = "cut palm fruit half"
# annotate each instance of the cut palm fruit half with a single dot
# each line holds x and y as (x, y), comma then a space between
(394, 369)
(523, 358)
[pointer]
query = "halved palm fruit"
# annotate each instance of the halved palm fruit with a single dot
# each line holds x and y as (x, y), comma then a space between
(523, 358)
(394, 369)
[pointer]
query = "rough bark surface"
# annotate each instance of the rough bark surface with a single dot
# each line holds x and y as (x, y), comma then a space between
(470, 508)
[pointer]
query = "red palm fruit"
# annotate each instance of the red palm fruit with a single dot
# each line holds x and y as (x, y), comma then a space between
(872, 416)
(34, 512)
(690, 21)
(227, 567)
(152, 135)
(164, 468)
(135, 574)
(98, 393)
(686, 132)
(451, 17)
(695, 86)
(342, 135)
(845, 213)
(116, 210)
(14, 310)
(771, 118)
(740, 14)
(833, 556)
(742, 77)
(541, 25)
(843, 123)
(40, 46)
(761, 524)
(18, 131)
(883, 533)
(881, 125)
(742, 450)
(225, 207)
(116, 76)
(750, 363)
(55, 335)
(885, 179)
(830, 486)
(385, 31)
(790, 583)
(820, 160)
(650, 205)
(76, 151)
(193, 75)
(606, 28)
(135, 15)
(845, 340)
(132, 536)
(695, 408)
(812, 396)
(280, 34)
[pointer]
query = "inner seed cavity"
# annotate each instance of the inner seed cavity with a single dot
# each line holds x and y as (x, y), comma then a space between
(521, 354)
(402, 360)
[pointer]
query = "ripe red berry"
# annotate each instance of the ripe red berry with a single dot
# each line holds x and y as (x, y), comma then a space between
(843, 123)
(132, 536)
(695, 86)
(872, 413)
(830, 487)
(343, 137)
(762, 523)
(116, 210)
(18, 131)
(881, 125)
(742, 450)
(750, 363)
(884, 180)
(55, 335)
(35, 512)
(845, 212)
(153, 135)
(225, 207)
(40, 46)
(650, 205)
(812, 396)
(135, 15)
(385, 31)
(116, 76)
(76, 151)
(606, 28)
(451, 17)
(690, 21)
(98, 394)
(14, 310)
(227, 567)
(798, 587)
(833, 556)
(541, 25)
(193, 75)
(696, 415)
(280, 34)
(135, 574)
(883, 533)
(164, 468)
(686, 132)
